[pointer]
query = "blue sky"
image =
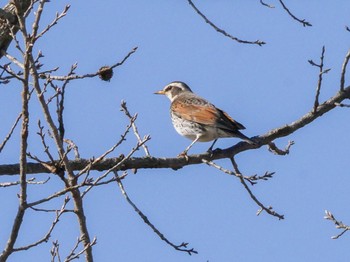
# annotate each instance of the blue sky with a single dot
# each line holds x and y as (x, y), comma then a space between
(262, 87)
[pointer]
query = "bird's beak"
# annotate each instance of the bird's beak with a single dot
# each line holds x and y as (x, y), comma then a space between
(161, 92)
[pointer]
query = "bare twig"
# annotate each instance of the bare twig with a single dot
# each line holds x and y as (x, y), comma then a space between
(341, 105)
(338, 224)
(319, 83)
(55, 251)
(73, 77)
(13, 31)
(54, 22)
(72, 255)
(303, 22)
(60, 102)
(268, 209)
(12, 59)
(267, 5)
(35, 26)
(10, 132)
(251, 179)
(257, 42)
(121, 162)
(48, 234)
(42, 137)
(182, 247)
(12, 74)
(273, 148)
(72, 145)
(29, 181)
(343, 71)
(127, 113)
(100, 158)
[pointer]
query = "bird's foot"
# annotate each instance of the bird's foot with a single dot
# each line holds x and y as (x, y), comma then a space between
(183, 154)
(211, 152)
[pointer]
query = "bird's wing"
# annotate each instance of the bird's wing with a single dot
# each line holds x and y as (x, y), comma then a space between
(201, 111)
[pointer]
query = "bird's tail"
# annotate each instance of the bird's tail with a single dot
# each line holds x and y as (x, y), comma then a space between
(245, 138)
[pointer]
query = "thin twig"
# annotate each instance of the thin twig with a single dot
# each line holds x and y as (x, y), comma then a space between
(42, 136)
(74, 255)
(73, 146)
(48, 234)
(132, 151)
(127, 113)
(257, 42)
(268, 209)
(343, 71)
(274, 149)
(251, 180)
(10, 132)
(73, 77)
(12, 59)
(341, 105)
(54, 22)
(60, 102)
(267, 5)
(12, 74)
(319, 83)
(12, 33)
(29, 181)
(100, 158)
(55, 252)
(304, 23)
(182, 247)
(338, 224)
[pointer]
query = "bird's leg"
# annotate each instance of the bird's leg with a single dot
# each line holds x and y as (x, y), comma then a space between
(210, 149)
(184, 153)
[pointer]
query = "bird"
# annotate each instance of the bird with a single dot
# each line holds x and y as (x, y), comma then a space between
(197, 119)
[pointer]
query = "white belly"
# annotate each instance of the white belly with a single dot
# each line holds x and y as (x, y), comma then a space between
(191, 130)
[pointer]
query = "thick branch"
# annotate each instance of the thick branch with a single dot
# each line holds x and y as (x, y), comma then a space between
(176, 163)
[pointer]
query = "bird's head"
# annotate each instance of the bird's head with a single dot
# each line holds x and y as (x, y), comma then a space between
(174, 89)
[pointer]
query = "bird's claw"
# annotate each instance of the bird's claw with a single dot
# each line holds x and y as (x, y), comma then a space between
(183, 154)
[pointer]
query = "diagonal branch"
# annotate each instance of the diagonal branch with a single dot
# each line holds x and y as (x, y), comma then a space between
(127, 113)
(257, 42)
(303, 22)
(338, 224)
(251, 179)
(343, 71)
(268, 209)
(182, 247)
(52, 227)
(10, 133)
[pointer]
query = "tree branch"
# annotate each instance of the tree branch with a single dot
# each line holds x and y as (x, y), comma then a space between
(257, 42)
(338, 224)
(179, 162)
(182, 247)
(303, 22)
